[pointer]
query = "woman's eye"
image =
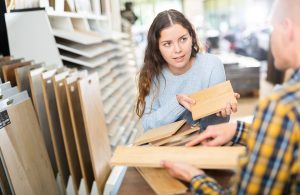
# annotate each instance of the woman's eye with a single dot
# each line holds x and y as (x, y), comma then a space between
(166, 44)
(183, 39)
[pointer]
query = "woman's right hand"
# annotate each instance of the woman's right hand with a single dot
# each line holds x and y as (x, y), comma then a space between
(185, 101)
(215, 135)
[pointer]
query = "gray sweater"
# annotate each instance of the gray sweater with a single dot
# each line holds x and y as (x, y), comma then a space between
(206, 71)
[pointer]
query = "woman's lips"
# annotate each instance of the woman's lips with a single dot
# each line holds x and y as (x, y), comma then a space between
(179, 59)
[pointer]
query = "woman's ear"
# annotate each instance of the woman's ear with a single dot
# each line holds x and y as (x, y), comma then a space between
(289, 29)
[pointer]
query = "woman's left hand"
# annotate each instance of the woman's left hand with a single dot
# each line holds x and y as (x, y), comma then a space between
(230, 108)
(182, 171)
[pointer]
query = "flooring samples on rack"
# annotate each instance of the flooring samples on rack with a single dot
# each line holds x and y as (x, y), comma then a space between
(29, 167)
(36, 89)
(79, 130)
(9, 71)
(55, 128)
(96, 130)
(66, 127)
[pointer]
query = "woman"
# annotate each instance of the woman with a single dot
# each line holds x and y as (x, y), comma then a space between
(173, 67)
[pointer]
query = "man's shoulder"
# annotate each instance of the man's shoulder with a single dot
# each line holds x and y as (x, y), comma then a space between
(286, 99)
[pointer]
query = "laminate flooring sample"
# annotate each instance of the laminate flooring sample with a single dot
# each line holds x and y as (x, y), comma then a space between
(202, 157)
(55, 128)
(29, 167)
(79, 130)
(66, 127)
(96, 130)
(212, 100)
(35, 82)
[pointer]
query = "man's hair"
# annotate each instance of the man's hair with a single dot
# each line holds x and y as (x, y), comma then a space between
(287, 8)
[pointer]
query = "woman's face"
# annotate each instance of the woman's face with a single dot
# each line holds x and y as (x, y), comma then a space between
(175, 45)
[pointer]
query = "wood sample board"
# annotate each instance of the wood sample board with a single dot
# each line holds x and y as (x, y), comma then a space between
(96, 130)
(55, 128)
(201, 157)
(79, 130)
(9, 71)
(35, 83)
(66, 127)
(159, 133)
(212, 100)
(29, 167)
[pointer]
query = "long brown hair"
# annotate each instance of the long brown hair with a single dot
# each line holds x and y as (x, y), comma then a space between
(153, 60)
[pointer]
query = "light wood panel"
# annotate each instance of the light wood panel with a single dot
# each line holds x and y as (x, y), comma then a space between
(161, 181)
(55, 128)
(29, 167)
(159, 133)
(36, 89)
(179, 135)
(7, 62)
(201, 157)
(96, 130)
(212, 100)
(22, 77)
(5, 182)
(9, 71)
(66, 127)
(79, 130)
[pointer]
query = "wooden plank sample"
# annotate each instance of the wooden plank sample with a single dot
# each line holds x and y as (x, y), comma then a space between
(22, 77)
(29, 167)
(36, 89)
(161, 181)
(79, 130)
(212, 100)
(9, 71)
(96, 130)
(183, 131)
(159, 133)
(201, 157)
(55, 128)
(7, 62)
(66, 127)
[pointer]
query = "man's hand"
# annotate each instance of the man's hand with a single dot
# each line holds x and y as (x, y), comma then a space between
(230, 108)
(182, 171)
(185, 101)
(215, 135)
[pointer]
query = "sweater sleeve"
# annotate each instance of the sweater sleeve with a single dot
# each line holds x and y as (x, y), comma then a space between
(156, 115)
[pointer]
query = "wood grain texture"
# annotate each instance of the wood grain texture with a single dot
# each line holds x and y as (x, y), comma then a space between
(201, 157)
(5, 182)
(79, 130)
(161, 181)
(9, 71)
(96, 130)
(66, 127)
(55, 128)
(212, 100)
(22, 77)
(7, 62)
(32, 170)
(183, 131)
(35, 83)
(159, 133)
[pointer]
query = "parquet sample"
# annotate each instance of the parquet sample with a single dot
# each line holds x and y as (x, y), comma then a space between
(201, 157)
(55, 128)
(212, 100)
(66, 127)
(159, 133)
(96, 130)
(35, 82)
(24, 152)
(79, 129)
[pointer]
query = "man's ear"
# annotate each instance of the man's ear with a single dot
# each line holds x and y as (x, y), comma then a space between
(289, 30)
